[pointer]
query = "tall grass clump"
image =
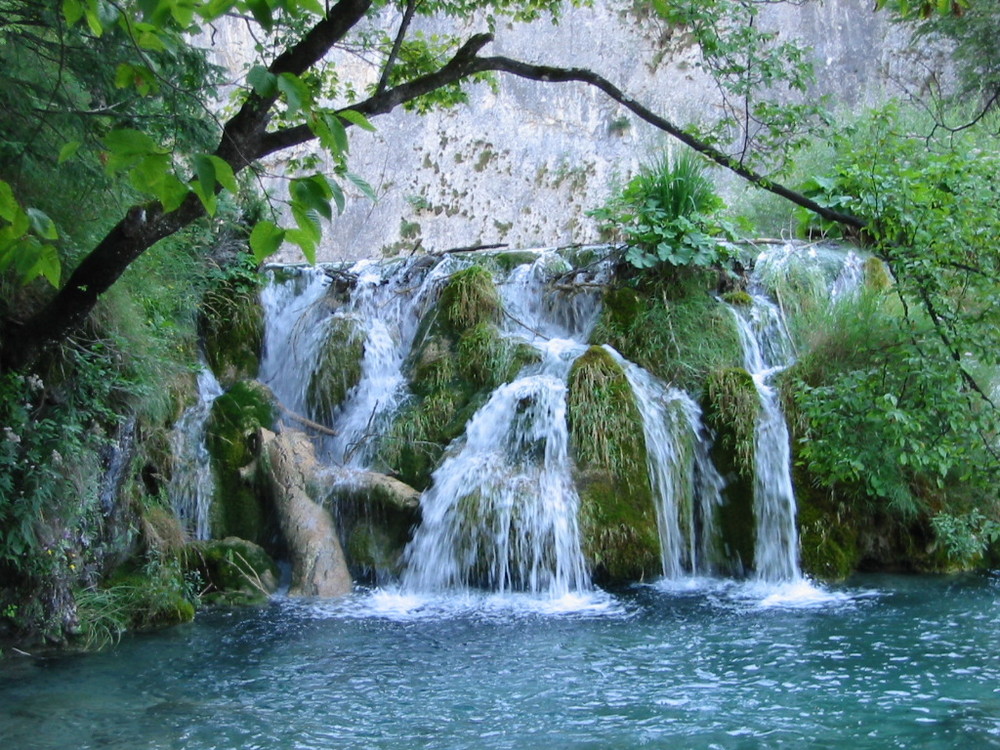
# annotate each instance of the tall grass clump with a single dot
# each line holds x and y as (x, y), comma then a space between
(668, 215)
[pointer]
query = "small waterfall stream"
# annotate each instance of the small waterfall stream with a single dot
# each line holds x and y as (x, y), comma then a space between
(501, 510)
(192, 485)
(767, 351)
(686, 486)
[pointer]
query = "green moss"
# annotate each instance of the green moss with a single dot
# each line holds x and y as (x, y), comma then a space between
(232, 570)
(676, 331)
(433, 367)
(231, 325)
(418, 436)
(508, 261)
(731, 407)
(138, 595)
(617, 514)
(487, 360)
(338, 368)
(876, 275)
(242, 505)
(827, 538)
(468, 299)
(738, 297)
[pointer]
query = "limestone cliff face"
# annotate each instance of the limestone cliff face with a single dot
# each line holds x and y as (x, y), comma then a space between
(522, 165)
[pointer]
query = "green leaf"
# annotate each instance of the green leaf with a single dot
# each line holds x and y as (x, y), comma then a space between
(204, 185)
(362, 185)
(304, 241)
(355, 117)
(9, 206)
(313, 6)
(261, 11)
(42, 225)
(72, 11)
(224, 174)
(48, 265)
(265, 239)
(68, 151)
(338, 197)
(297, 94)
(171, 192)
(312, 194)
(263, 81)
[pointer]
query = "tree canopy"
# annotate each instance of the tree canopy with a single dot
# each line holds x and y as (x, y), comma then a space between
(132, 103)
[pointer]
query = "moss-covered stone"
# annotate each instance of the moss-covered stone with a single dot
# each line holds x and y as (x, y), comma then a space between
(242, 506)
(231, 325)
(738, 297)
(876, 275)
(617, 514)
(375, 526)
(508, 261)
(679, 332)
(338, 368)
(468, 299)
(731, 407)
(232, 570)
(828, 541)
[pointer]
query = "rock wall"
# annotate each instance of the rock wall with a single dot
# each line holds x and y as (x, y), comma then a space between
(523, 164)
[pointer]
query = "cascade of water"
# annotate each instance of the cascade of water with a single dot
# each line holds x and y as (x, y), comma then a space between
(502, 509)
(119, 457)
(192, 485)
(388, 301)
(766, 351)
(686, 486)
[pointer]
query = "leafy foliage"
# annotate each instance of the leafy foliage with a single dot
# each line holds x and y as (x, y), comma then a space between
(668, 214)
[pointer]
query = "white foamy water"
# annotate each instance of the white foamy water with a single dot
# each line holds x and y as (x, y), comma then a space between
(192, 485)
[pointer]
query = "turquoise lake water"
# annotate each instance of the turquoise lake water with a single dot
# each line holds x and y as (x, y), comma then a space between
(880, 662)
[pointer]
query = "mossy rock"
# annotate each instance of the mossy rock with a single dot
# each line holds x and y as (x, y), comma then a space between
(469, 298)
(730, 408)
(433, 367)
(680, 339)
(487, 360)
(738, 298)
(231, 325)
(242, 505)
(146, 596)
(338, 368)
(232, 570)
(508, 261)
(876, 275)
(617, 513)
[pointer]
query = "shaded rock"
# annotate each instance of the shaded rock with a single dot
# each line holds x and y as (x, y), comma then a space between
(318, 564)
(232, 570)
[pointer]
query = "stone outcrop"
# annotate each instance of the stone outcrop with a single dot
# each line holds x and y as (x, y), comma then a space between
(318, 565)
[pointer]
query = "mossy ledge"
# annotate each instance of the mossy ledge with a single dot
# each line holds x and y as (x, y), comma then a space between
(338, 368)
(231, 324)
(731, 407)
(242, 505)
(617, 515)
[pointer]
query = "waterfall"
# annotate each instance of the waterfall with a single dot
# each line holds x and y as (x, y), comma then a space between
(767, 346)
(765, 341)
(387, 302)
(501, 512)
(686, 486)
(192, 485)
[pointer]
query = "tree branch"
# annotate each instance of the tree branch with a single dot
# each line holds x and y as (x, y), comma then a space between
(390, 63)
